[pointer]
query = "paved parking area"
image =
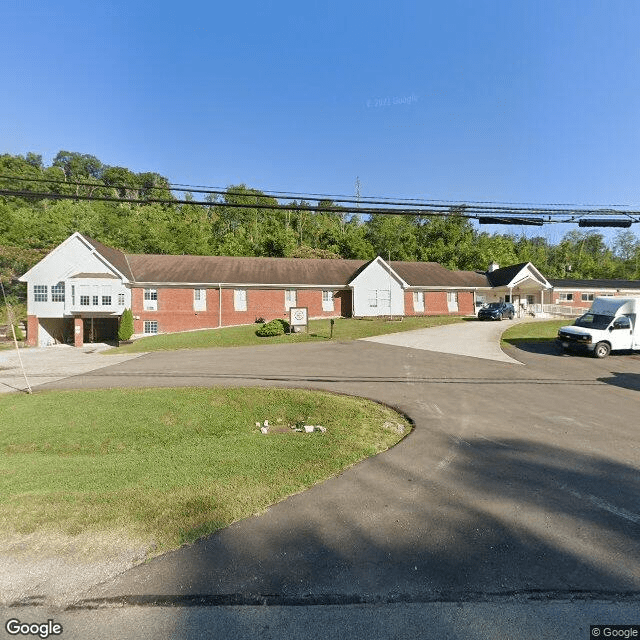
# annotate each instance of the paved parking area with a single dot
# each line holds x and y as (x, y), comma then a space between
(48, 364)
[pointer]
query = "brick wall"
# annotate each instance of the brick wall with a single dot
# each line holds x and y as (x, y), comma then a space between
(435, 304)
(32, 331)
(577, 297)
(176, 308)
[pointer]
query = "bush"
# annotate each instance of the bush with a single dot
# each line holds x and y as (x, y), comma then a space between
(274, 328)
(125, 330)
(18, 329)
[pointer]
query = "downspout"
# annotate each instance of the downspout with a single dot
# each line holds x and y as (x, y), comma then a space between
(219, 304)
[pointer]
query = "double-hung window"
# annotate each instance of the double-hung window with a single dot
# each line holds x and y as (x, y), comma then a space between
(150, 299)
(290, 298)
(240, 299)
(199, 299)
(587, 297)
(85, 295)
(40, 293)
(106, 296)
(327, 300)
(452, 301)
(57, 292)
(566, 297)
(151, 326)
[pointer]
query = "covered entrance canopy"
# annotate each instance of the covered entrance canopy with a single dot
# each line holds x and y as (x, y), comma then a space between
(522, 285)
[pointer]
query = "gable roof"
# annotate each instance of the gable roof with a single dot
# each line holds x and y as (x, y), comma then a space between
(505, 276)
(432, 274)
(114, 257)
(242, 270)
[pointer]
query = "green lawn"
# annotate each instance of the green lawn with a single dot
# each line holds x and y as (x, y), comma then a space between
(539, 331)
(172, 465)
(319, 330)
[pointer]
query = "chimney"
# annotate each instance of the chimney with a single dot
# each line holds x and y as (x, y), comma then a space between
(492, 267)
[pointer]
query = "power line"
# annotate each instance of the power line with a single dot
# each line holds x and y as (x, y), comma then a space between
(501, 214)
(382, 200)
(475, 212)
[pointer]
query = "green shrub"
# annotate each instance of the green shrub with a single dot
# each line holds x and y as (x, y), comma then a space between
(18, 329)
(125, 330)
(274, 328)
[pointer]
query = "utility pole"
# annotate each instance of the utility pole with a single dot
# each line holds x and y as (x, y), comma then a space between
(12, 321)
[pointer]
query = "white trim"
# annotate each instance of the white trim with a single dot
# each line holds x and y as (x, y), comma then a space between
(234, 285)
(386, 267)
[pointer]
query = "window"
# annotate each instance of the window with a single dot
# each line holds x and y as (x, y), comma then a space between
(507, 298)
(327, 300)
(199, 299)
(95, 301)
(290, 298)
(73, 295)
(240, 299)
(151, 326)
(379, 298)
(121, 299)
(418, 300)
(150, 299)
(85, 298)
(587, 297)
(40, 293)
(106, 296)
(57, 292)
(566, 297)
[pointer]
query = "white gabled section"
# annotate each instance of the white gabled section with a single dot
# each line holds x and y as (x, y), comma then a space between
(51, 289)
(529, 272)
(378, 290)
(74, 255)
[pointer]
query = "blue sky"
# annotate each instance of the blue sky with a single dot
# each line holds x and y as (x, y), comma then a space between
(461, 100)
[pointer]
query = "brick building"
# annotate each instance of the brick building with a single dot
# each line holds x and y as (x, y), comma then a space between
(78, 292)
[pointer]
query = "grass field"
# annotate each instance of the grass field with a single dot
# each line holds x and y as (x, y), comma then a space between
(319, 330)
(539, 331)
(172, 465)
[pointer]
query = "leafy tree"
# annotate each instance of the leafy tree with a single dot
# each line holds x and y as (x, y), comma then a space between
(393, 237)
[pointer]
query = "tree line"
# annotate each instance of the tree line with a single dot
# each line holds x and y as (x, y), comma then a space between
(30, 226)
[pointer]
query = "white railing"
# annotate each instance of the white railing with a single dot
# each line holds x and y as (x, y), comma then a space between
(563, 310)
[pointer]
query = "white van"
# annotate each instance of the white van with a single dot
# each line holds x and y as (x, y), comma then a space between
(610, 325)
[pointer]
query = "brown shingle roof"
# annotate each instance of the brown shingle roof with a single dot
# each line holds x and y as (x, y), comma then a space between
(113, 256)
(242, 270)
(432, 274)
(273, 271)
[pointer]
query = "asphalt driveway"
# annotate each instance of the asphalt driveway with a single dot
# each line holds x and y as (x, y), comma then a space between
(474, 338)
(516, 482)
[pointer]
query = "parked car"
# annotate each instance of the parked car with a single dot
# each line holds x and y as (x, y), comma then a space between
(497, 311)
